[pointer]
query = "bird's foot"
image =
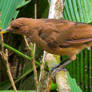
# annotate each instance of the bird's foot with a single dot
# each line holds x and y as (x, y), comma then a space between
(60, 66)
(55, 71)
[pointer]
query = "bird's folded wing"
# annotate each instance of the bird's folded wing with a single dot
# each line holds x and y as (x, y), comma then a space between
(67, 33)
(78, 34)
(79, 41)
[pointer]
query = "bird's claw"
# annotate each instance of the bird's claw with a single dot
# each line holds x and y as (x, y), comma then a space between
(53, 73)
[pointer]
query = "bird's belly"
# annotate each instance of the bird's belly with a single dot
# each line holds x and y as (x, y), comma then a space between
(60, 51)
(66, 51)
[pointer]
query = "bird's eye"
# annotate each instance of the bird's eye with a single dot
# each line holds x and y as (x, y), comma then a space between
(15, 27)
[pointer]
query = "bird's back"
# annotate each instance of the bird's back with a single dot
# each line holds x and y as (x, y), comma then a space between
(64, 37)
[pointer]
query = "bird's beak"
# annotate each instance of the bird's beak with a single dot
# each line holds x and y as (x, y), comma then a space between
(3, 31)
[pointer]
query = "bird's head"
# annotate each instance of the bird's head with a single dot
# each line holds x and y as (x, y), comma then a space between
(19, 26)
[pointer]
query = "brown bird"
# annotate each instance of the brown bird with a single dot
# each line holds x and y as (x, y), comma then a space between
(59, 37)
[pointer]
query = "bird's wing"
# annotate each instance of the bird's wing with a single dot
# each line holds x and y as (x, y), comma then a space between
(77, 34)
(65, 33)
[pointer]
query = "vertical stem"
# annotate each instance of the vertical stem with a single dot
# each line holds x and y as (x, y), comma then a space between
(2, 44)
(5, 57)
(44, 77)
(33, 61)
(34, 48)
(9, 72)
(35, 9)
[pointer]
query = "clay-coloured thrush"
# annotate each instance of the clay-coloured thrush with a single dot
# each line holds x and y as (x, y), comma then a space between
(60, 37)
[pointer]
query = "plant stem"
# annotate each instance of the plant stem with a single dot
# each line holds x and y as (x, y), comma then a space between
(18, 52)
(9, 72)
(33, 54)
(4, 55)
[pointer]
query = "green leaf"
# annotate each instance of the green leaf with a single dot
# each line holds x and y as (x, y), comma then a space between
(73, 84)
(23, 3)
(8, 10)
(78, 10)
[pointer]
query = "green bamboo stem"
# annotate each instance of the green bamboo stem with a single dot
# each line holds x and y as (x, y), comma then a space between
(19, 53)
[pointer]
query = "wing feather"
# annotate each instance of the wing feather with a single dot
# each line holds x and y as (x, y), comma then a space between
(66, 33)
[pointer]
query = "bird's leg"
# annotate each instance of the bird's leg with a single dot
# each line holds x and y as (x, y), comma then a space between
(63, 64)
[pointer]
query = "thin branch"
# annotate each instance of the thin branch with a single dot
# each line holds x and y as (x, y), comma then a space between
(5, 57)
(33, 61)
(9, 72)
(44, 78)
(35, 9)
(34, 66)
(2, 43)
(34, 48)
(27, 43)
(18, 52)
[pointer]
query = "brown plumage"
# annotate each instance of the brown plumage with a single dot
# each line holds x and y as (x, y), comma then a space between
(60, 37)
